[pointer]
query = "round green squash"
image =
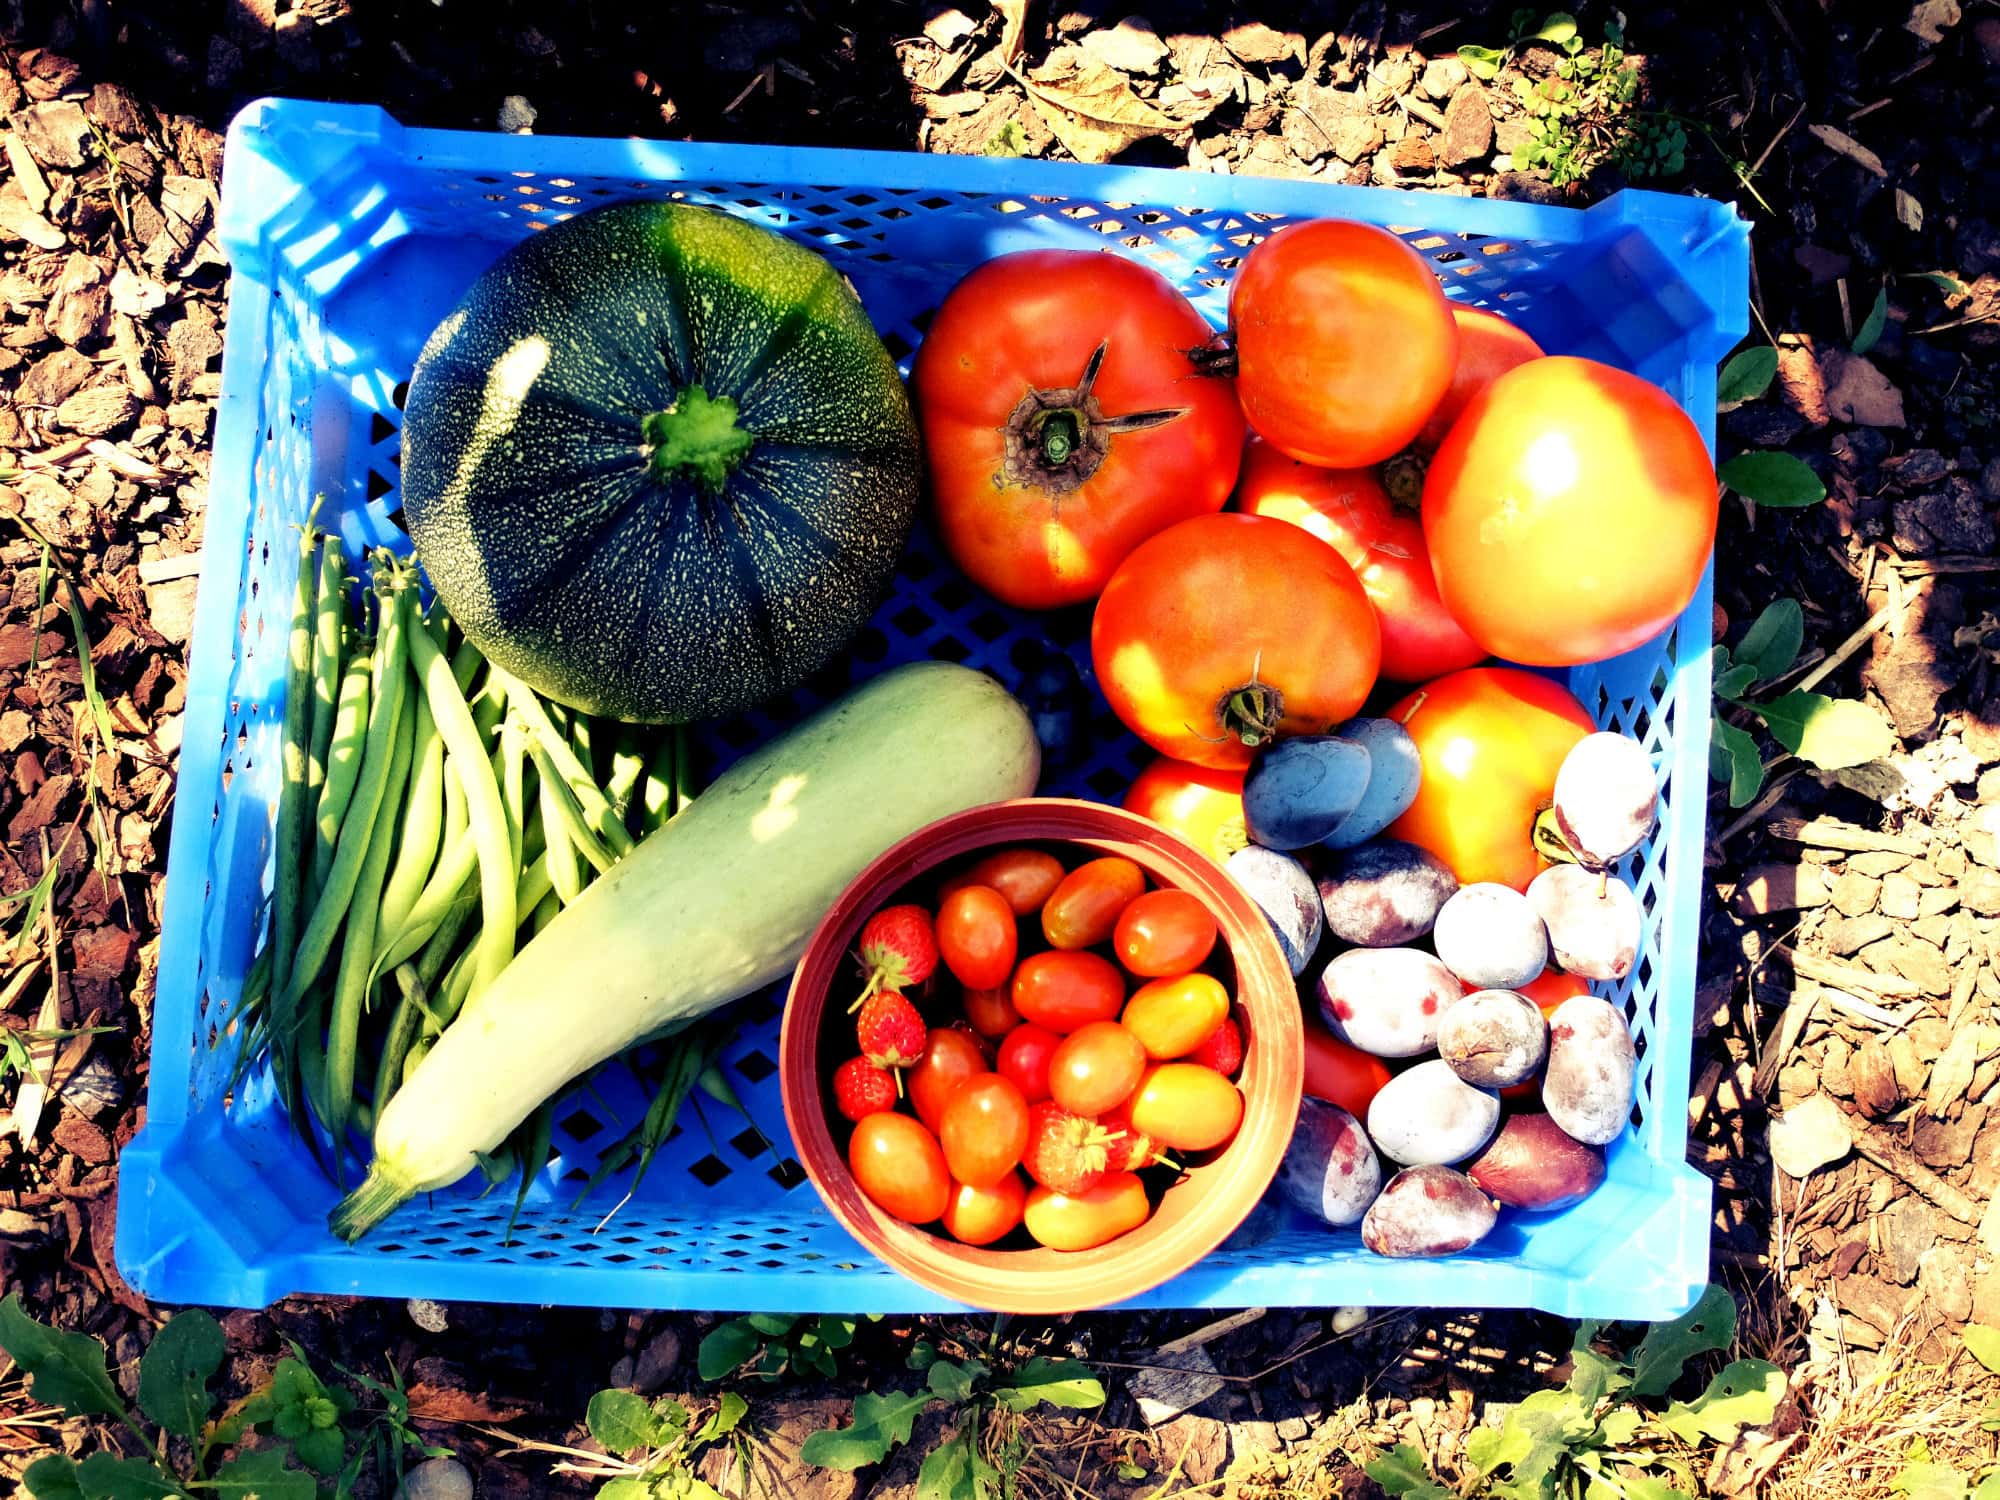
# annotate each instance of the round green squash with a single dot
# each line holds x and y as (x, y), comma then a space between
(657, 463)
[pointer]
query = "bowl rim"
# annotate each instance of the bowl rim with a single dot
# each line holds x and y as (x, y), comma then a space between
(1122, 1269)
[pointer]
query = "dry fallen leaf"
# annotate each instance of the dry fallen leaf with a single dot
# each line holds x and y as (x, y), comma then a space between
(1095, 114)
(1909, 212)
(1013, 29)
(1849, 147)
(1811, 1134)
(432, 1402)
(1930, 19)
(1856, 391)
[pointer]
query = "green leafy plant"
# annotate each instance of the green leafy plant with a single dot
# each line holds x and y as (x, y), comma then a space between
(1604, 1433)
(1922, 1477)
(1558, 28)
(1760, 476)
(766, 1345)
(652, 1448)
(965, 1466)
(1830, 733)
(1009, 140)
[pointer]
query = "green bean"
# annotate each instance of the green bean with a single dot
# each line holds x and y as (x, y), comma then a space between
(353, 979)
(422, 827)
(580, 731)
(658, 800)
(488, 704)
(559, 854)
(329, 643)
(546, 911)
(350, 729)
(458, 857)
(514, 783)
(402, 1030)
(596, 811)
(288, 884)
(465, 662)
(686, 782)
(358, 826)
(497, 867)
(628, 765)
(534, 1140)
(569, 818)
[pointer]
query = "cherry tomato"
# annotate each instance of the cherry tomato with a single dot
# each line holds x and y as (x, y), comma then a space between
(1083, 911)
(1491, 740)
(900, 1166)
(991, 1011)
(1063, 991)
(1186, 1107)
(1344, 341)
(1223, 1051)
(1026, 877)
(950, 1057)
(976, 937)
(1203, 804)
(1351, 512)
(1488, 346)
(1570, 513)
(979, 1216)
(1339, 1073)
(1551, 987)
(1025, 1057)
(1085, 1220)
(1164, 932)
(984, 1130)
(1228, 631)
(1171, 1017)
(1022, 383)
(1097, 1066)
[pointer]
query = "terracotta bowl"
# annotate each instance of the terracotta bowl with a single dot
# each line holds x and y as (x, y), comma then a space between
(1197, 1213)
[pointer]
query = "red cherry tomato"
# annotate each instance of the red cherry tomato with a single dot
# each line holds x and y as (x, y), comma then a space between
(1026, 877)
(900, 1166)
(950, 1057)
(1063, 991)
(1488, 347)
(1351, 512)
(984, 1130)
(1082, 1221)
(1083, 911)
(1203, 804)
(1164, 932)
(1223, 1051)
(976, 936)
(1344, 341)
(1339, 1073)
(979, 1216)
(1172, 1017)
(1551, 987)
(991, 1011)
(1025, 1057)
(1186, 1107)
(1096, 1067)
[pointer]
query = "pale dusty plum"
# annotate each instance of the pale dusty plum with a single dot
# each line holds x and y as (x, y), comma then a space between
(1300, 790)
(1587, 1089)
(1489, 936)
(1494, 1039)
(1394, 771)
(1288, 898)
(1330, 1170)
(1533, 1164)
(1428, 1211)
(1429, 1116)
(1386, 1000)
(1592, 920)
(1606, 796)
(1384, 894)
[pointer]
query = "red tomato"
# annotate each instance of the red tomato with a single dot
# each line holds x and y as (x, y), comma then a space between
(1163, 933)
(1186, 1107)
(1344, 341)
(1491, 740)
(1026, 877)
(1570, 513)
(1551, 987)
(1341, 1074)
(950, 1057)
(1350, 511)
(976, 937)
(1203, 804)
(1041, 387)
(984, 1130)
(1488, 346)
(1223, 1051)
(900, 1166)
(1085, 908)
(1082, 1221)
(1096, 1067)
(991, 1011)
(1171, 1017)
(979, 1216)
(1063, 991)
(1025, 1057)
(1228, 631)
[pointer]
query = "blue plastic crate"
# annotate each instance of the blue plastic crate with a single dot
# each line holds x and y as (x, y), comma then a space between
(350, 236)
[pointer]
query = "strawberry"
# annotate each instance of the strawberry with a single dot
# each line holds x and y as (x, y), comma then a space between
(1129, 1150)
(898, 950)
(1066, 1152)
(890, 1031)
(860, 1088)
(1223, 1051)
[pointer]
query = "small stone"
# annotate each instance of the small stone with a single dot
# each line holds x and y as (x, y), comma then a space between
(1979, 892)
(436, 1479)
(1413, 153)
(427, 1315)
(1848, 935)
(1907, 1232)
(1132, 46)
(623, 1370)
(1877, 862)
(1899, 897)
(1443, 76)
(55, 132)
(1872, 1075)
(1254, 42)
(78, 305)
(1980, 834)
(1854, 894)
(516, 116)
(1945, 1278)
(1294, 1429)
(1781, 887)
(1856, 391)
(1916, 960)
(1935, 900)
(656, 1362)
(53, 379)
(1847, 1257)
(1810, 1135)
(1951, 519)
(1468, 127)
(98, 409)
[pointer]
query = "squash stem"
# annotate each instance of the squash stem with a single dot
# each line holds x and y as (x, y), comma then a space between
(368, 1205)
(697, 437)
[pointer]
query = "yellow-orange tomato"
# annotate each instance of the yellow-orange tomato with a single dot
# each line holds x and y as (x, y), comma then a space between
(1488, 347)
(1095, 1068)
(900, 1166)
(1026, 877)
(1083, 911)
(1164, 932)
(1491, 740)
(1085, 1220)
(1186, 1107)
(1171, 1017)
(1203, 804)
(979, 1216)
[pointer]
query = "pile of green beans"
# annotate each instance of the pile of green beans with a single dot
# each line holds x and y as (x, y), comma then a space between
(433, 814)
